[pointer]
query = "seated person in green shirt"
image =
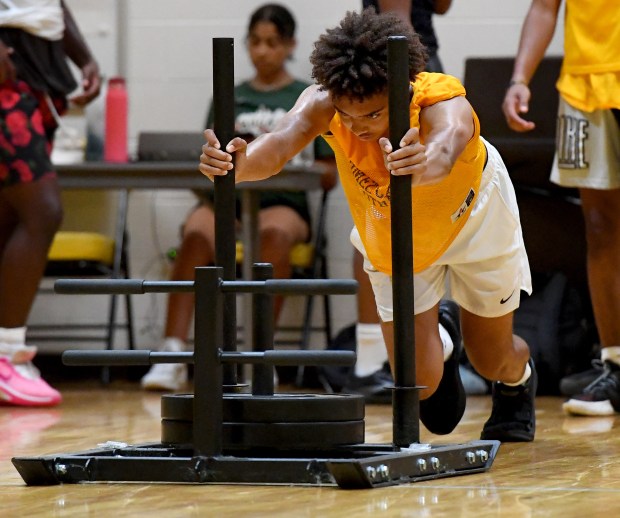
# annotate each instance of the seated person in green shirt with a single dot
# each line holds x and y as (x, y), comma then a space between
(283, 217)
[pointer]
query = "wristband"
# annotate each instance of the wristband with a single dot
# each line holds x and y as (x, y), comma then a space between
(516, 82)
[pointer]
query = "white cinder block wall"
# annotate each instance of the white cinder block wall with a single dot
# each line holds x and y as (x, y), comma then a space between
(163, 48)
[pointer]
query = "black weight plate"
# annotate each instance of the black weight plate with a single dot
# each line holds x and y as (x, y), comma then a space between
(278, 408)
(279, 436)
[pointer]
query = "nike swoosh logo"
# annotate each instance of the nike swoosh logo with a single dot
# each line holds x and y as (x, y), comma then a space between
(503, 301)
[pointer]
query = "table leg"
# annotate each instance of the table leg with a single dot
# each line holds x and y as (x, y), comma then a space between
(251, 246)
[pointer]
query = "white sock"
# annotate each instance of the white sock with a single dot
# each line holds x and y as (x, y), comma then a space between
(173, 345)
(524, 378)
(611, 354)
(371, 351)
(13, 335)
(446, 340)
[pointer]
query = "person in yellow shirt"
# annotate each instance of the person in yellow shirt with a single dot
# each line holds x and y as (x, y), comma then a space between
(466, 223)
(587, 157)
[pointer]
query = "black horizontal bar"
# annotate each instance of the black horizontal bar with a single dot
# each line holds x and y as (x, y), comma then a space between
(272, 286)
(120, 286)
(142, 357)
(291, 357)
(145, 357)
(292, 286)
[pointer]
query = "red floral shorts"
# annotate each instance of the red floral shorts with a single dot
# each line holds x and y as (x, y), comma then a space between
(26, 133)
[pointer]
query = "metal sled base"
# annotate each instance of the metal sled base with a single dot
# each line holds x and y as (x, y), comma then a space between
(356, 467)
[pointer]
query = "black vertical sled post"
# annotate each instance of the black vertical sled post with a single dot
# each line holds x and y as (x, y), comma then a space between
(208, 373)
(405, 399)
(262, 331)
(225, 247)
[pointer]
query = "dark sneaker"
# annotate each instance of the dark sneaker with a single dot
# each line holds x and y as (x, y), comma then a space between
(599, 398)
(376, 387)
(441, 412)
(575, 384)
(512, 417)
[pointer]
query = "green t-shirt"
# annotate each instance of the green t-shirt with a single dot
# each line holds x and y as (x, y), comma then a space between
(257, 112)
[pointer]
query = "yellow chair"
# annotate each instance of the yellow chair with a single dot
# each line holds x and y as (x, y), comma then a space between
(80, 250)
(301, 256)
(90, 255)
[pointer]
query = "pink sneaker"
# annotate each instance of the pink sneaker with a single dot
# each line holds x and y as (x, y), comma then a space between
(21, 384)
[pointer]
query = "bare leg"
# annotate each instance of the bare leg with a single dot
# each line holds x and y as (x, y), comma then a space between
(371, 351)
(601, 209)
(280, 228)
(442, 401)
(30, 215)
(603, 242)
(499, 355)
(366, 306)
(492, 348)
(197, 249)
(428, 350)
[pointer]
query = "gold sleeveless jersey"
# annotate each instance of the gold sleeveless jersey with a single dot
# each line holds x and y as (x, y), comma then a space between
(590, 76)
(439, 211)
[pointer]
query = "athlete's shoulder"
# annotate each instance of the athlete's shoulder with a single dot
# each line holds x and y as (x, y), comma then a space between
(315, 107)
(316, 100)
(432, 87)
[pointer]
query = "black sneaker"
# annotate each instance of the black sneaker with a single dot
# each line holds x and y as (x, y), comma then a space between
(575, 384)
(376, 387)
(599, 398)
(441, 412)
(513, 418)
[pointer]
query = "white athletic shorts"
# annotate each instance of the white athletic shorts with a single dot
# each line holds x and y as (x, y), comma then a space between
(486, 265)
(587, 149)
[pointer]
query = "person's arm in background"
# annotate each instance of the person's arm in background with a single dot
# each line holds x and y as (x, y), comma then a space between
(441, 6)
(536, 34)
(78, 51)
(329, 172)
(402, 8)
(7, 68)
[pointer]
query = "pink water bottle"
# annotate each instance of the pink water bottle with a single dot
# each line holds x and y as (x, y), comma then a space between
(115, 142)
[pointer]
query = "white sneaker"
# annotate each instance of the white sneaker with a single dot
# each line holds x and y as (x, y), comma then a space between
(165, 376)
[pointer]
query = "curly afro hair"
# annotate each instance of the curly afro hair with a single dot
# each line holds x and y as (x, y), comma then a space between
(350, 60)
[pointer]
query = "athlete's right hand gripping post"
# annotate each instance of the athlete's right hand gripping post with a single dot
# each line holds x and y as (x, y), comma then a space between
(214, 161)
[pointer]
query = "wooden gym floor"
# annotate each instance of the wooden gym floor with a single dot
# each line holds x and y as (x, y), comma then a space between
(572, 469)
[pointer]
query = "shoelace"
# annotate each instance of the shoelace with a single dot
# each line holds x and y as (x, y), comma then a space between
(598, 364)
(27, 370)
(604, 382)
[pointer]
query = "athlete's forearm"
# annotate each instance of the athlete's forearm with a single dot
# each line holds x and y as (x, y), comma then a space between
(269, 153)
(265, 157)
(445, 129)
(536, 34)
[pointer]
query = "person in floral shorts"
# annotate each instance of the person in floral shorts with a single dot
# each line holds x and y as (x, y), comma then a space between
(34, 84)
